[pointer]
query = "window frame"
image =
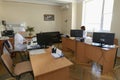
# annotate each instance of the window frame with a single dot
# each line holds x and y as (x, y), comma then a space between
(102, 16)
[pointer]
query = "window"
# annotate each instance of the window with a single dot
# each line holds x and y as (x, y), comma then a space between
(97, 15)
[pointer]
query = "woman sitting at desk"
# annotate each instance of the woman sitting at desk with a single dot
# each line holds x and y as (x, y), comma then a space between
(20, 41)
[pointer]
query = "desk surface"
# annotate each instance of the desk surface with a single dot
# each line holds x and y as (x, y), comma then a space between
(45, 63)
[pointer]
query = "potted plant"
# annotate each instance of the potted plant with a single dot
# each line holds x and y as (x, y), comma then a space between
(30, 30)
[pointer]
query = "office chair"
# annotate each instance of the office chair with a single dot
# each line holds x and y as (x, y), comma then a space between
(23, 54)
(7, 48)
(17, 70)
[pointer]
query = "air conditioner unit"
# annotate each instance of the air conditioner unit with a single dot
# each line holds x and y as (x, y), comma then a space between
(64, 7)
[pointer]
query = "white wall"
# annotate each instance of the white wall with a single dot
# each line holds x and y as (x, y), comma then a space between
(76, 15)
(73, 15)
(67, 20)
(1, 10)
(115, 26)
(32, 15)
(79, 14)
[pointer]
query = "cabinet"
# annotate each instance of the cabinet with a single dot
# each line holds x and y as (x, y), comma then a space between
(85, 53)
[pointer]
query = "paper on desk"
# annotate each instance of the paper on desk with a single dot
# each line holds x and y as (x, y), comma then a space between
(55, 55)
(37, 51)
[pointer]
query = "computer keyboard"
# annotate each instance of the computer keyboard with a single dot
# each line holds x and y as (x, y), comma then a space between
(103, 45)
(33, 47)
(96, 44)
(108, 46)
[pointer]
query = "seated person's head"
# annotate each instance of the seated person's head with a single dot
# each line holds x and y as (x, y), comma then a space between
(21, 30)
(82, 27)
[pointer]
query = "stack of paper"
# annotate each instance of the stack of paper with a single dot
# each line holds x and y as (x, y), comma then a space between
(57, 54)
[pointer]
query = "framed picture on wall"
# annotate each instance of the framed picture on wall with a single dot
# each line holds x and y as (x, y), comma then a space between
(49, 17)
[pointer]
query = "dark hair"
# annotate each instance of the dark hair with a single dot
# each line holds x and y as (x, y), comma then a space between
(4, 22)
(82, 27)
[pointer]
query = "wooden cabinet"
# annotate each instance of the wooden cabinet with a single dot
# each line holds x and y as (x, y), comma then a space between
(68, 44)
(80, 53)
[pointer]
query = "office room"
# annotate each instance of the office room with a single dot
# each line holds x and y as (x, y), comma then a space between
(79, 58)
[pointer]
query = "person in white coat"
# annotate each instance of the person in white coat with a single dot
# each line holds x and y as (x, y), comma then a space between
(20, 41)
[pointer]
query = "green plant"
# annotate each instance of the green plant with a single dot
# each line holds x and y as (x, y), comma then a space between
(30, 30)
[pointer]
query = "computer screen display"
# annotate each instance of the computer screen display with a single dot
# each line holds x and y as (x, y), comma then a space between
(76, 33)
(44, 39)
(9, 33)
(103, 38)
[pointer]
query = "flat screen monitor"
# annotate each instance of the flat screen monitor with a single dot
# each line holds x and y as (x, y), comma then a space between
(103, 38)
(76, 33)
(9, 33)
(44, 40)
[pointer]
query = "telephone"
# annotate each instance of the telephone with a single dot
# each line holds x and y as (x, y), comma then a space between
(56, 53)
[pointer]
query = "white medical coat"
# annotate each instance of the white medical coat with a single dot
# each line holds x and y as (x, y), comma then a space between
(19, 40)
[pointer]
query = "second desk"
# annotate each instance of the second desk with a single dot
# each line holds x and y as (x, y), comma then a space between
(85, 53)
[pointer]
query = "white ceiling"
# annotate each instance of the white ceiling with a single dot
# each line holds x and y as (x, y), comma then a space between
(51, 2)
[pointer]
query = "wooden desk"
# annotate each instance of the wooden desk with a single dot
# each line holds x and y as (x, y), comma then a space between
(86, 53)
(68, 44)
(45, 67)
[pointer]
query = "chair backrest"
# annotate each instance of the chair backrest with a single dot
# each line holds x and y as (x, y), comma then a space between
(8, 63)
(8, 46)
(5, 50)
(1, 48)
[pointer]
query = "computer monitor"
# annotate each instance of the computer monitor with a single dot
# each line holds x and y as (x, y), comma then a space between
(44, 40)
(103, 38)
(76, 33)
(9, 33)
